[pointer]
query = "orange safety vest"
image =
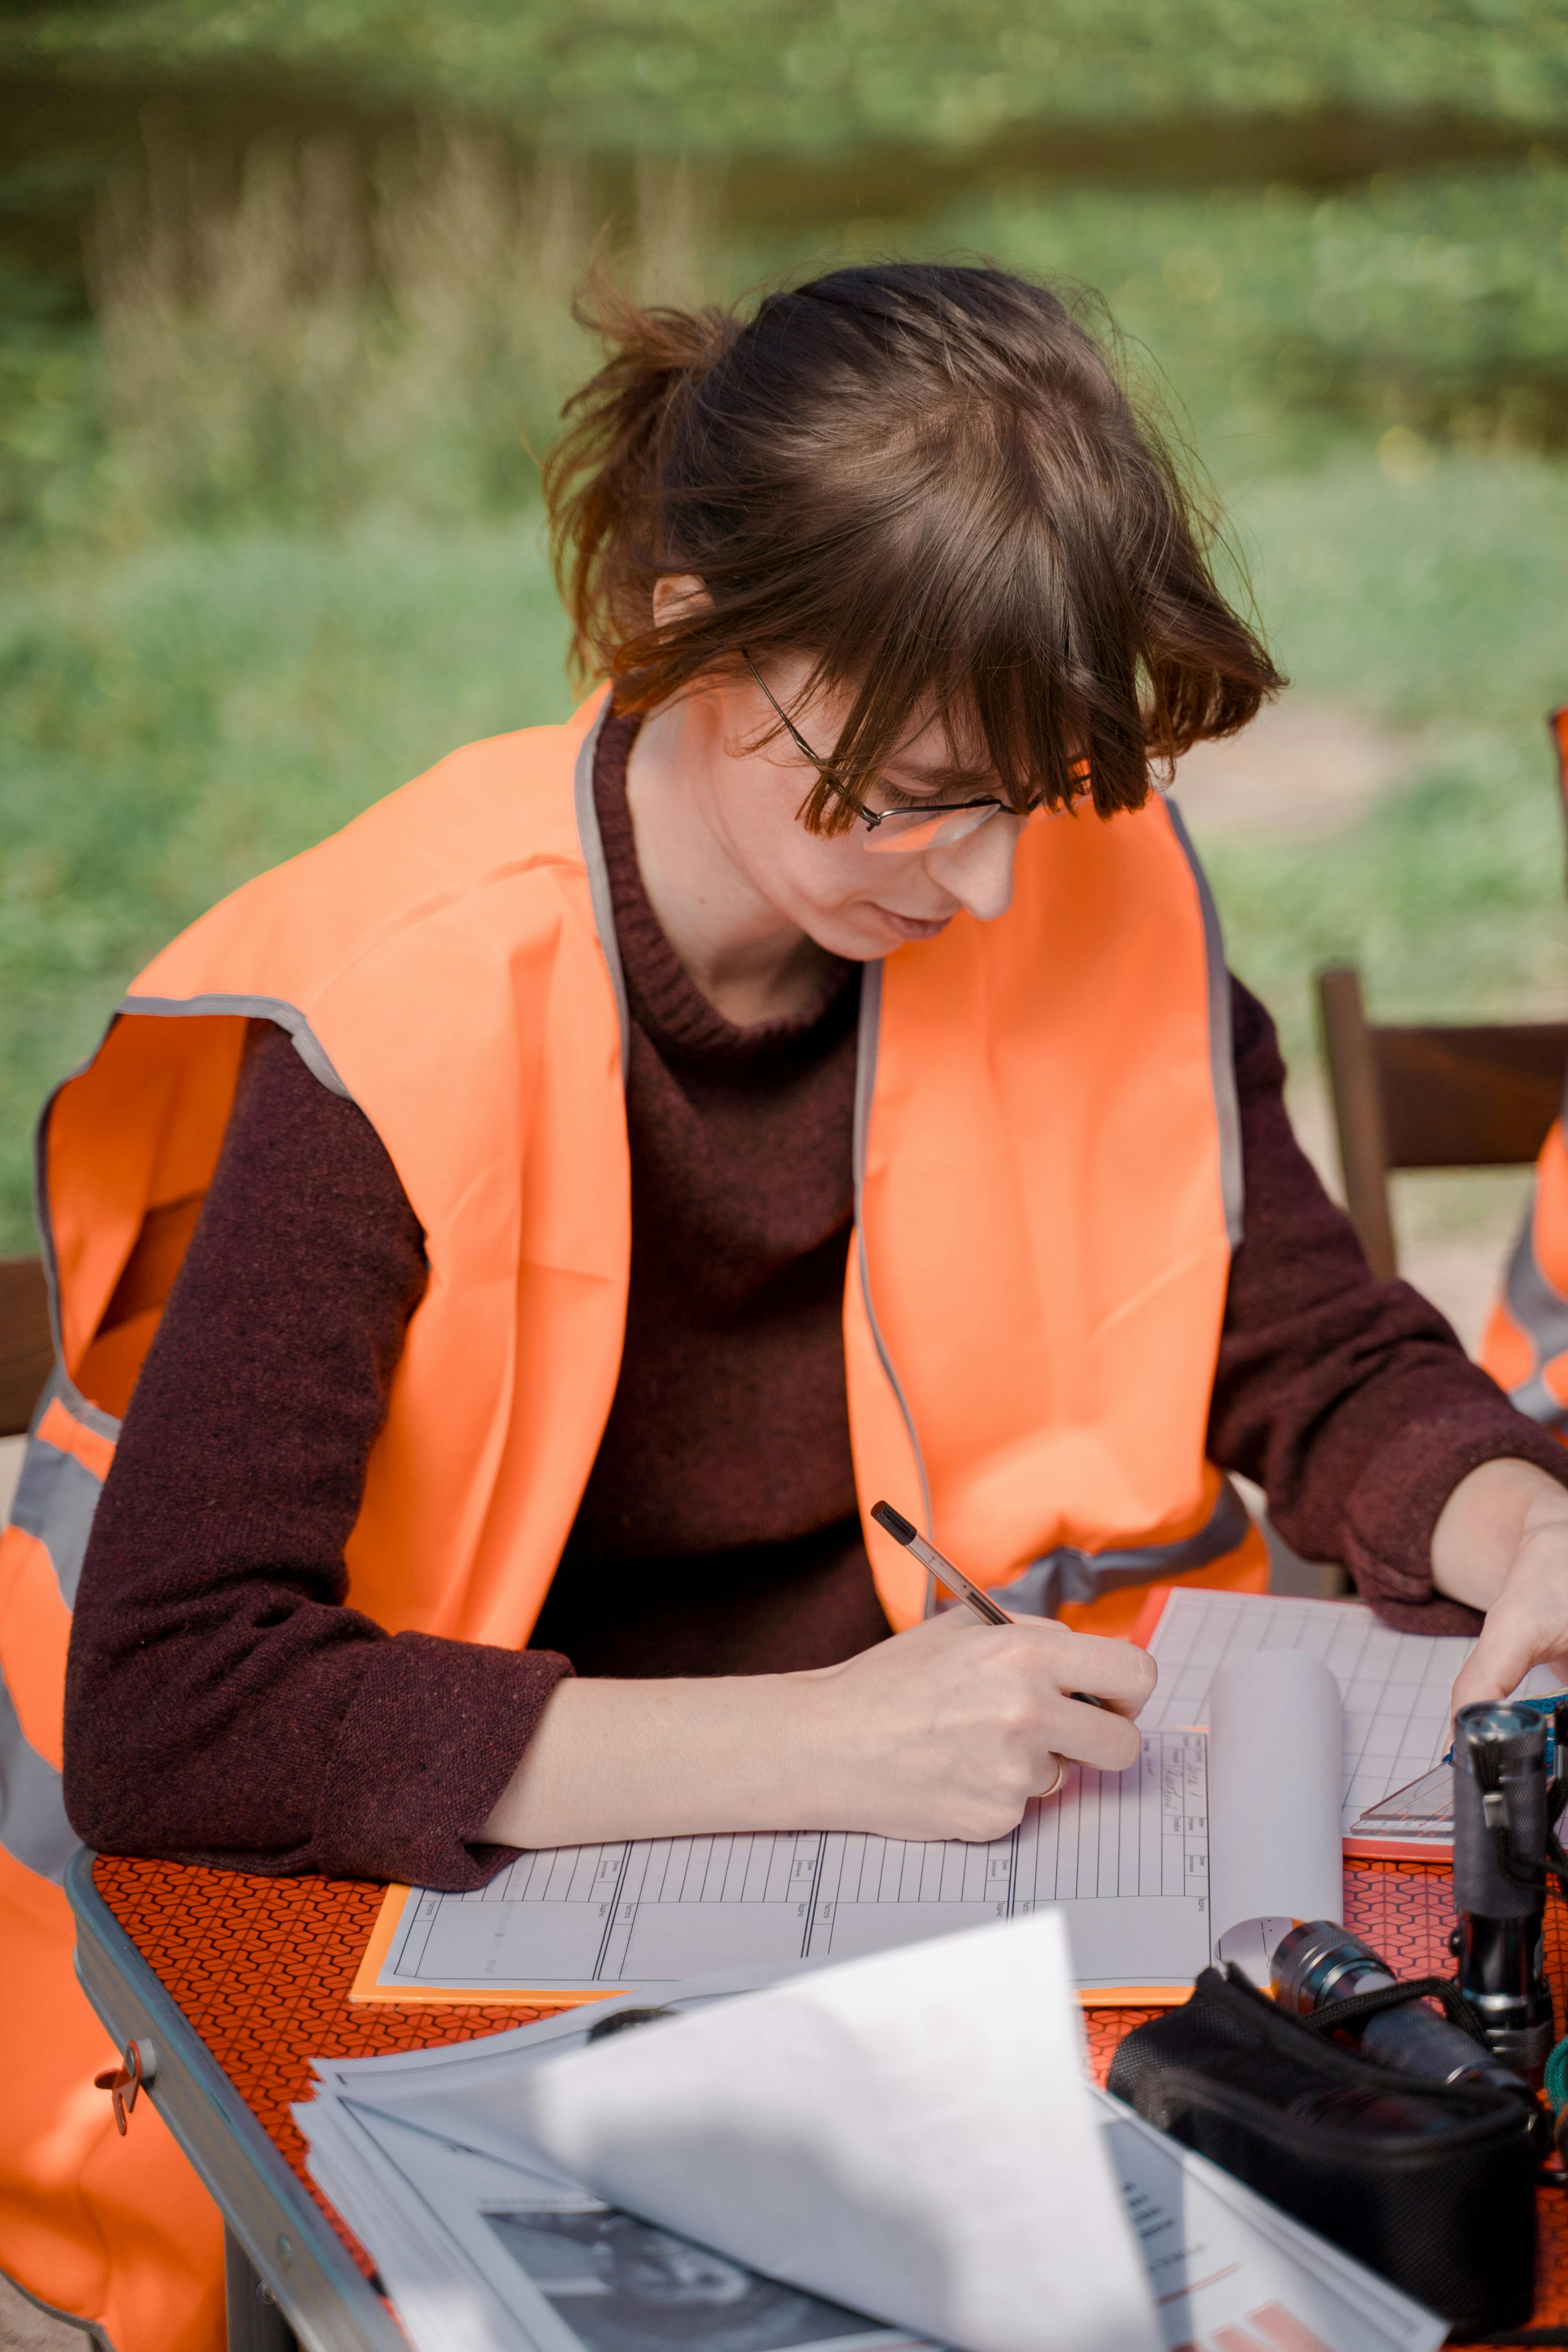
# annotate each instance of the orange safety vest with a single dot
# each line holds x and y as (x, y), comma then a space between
(1525, 1348)
(1047, 1185)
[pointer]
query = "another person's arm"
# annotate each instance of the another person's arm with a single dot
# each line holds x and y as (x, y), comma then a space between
(1378, 1442)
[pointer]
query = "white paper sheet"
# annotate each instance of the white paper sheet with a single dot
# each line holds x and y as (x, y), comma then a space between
(1124, 1855)
(910, 2134)
(511, 2262)
(445, 2304)
(468, 2090)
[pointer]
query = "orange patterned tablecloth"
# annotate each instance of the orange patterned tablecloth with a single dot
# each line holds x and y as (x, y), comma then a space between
(262, 1967)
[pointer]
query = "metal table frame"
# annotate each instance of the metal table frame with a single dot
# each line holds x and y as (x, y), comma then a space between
(286, 2269)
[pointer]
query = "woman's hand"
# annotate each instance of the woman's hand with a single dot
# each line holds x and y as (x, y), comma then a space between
(1502, 1544)
(945, 1731)
(948, 1730)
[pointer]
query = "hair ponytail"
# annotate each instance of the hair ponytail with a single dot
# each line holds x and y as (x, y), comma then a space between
(601, 478)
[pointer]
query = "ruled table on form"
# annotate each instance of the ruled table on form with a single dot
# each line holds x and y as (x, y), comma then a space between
(1394, 1688)
(1125, 1854)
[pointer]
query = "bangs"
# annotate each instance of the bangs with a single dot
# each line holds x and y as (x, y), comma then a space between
(961, 617)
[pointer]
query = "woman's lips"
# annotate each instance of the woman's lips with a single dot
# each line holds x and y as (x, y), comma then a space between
(910, 927)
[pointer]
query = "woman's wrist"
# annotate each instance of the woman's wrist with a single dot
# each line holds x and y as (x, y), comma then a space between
(1484, 1523)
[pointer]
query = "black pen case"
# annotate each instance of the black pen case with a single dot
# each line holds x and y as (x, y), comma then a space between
(1433, 2187)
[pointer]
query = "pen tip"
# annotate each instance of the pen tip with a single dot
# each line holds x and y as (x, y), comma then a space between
(896, 1525)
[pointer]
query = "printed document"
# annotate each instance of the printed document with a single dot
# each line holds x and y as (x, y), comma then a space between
(486, 2246)
(1394, 1691)
(911, 2132)
(1124, 1855)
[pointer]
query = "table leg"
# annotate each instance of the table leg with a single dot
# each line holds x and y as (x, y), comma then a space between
(255, 2322)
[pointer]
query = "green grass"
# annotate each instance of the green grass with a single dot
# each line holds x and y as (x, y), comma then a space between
(178, 718)
(818, 75)
(1437, 299)
(1437, 606)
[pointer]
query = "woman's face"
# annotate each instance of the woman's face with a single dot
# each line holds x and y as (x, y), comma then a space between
(855, 899)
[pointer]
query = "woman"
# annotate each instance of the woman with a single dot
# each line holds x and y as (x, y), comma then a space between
(526, 1233)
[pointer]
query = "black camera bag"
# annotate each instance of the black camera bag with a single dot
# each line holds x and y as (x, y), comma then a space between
(1436, 2191)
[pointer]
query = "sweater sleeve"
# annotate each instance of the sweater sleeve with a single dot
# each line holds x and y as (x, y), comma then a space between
(223, 1704)
(1348, 1400)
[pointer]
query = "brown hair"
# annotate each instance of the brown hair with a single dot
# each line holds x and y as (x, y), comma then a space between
(928, 481)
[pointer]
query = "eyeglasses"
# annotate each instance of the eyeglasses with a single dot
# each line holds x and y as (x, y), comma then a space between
(895, 832)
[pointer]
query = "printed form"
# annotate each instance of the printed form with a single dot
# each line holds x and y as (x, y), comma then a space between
(1125, 1854)
(1394, 1687)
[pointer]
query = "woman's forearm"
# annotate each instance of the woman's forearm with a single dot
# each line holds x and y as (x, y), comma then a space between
(944, 1731)
(661, 1758)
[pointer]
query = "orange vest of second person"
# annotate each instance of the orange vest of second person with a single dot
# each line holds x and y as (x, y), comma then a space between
(1048, 1189)
(1526, 1345)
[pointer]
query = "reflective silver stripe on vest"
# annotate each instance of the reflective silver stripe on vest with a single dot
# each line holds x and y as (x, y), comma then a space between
(864, 1087)
(590, 842)
(1221, 1049)
(1540, 1309)
(34, 1830)
(1069, 1574)
(55, 1502)
(56, 1499)
(307, 1045)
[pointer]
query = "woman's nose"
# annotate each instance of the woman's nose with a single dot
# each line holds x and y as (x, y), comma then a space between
(978, 870)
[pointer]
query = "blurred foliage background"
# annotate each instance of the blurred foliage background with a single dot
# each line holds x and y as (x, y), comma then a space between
(287, 306)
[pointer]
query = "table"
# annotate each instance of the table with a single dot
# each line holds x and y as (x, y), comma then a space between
(238, 1981)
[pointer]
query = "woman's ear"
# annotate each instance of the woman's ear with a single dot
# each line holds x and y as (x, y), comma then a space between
(675, 594)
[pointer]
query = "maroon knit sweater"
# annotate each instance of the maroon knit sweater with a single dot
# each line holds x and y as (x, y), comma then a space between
(223, 1704)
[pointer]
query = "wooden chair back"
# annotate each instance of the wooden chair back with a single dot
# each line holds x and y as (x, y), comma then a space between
(27, 1350)
(1435, 1096)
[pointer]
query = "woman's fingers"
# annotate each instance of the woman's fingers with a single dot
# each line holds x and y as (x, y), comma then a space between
(1093, 1735)
(949, 1729)
(1119, 1672)
(1527, 1625)
(1496, 1666)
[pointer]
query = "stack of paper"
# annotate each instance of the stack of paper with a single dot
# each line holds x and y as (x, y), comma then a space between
(911, 2136)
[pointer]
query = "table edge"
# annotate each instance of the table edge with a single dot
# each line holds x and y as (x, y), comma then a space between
(325, 2297)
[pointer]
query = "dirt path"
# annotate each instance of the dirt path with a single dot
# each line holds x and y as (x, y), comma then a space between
(1300, 769)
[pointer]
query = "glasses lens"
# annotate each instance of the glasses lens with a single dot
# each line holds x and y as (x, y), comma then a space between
(905, 832)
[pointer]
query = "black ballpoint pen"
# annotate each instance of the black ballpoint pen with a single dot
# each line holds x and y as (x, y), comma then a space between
(952, 1580)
